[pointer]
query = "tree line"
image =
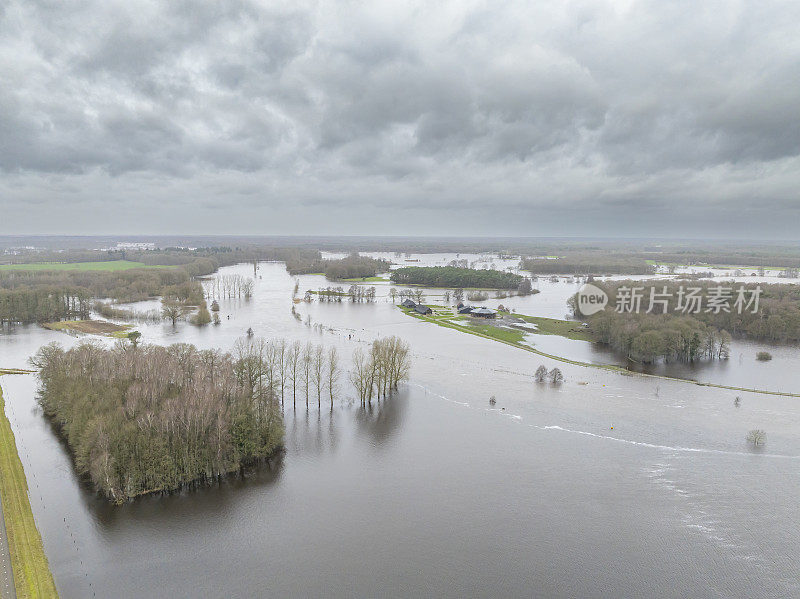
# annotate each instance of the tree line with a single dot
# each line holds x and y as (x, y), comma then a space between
(450, 276)
(230, 286)
(602, 263)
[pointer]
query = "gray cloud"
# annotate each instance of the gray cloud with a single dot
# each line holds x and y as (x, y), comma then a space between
(330, 117)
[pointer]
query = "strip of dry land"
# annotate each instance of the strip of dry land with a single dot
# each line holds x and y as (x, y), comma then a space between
(32, 576)
(514, 336)
(90, 327)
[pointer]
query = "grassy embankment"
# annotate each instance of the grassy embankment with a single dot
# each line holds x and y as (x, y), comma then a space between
(511, 336)
(444, 318)
(32, 576)
(110, 265)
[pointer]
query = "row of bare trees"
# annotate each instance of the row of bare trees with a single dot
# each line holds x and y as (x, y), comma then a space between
(331, 294)
(417, 295)
(307, 372)
(282, 369)
(230, 286)
(358, 294)
(355, 293)
(378, 372)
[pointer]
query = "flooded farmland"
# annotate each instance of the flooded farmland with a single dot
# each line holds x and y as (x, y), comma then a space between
(606, 485)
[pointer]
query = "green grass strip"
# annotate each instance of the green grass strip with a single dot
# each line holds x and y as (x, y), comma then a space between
(109, 265)
(32, 576)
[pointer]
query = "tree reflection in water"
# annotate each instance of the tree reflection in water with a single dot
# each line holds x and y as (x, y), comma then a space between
(381, 420)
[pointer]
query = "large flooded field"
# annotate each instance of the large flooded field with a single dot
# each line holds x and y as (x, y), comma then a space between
(604, 486)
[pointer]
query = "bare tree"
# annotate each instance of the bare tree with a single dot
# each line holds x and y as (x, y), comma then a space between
(293, 368)
(281, 355)
(541, 374)
(359, 375)
(556, 376)
(305, 372)
(247, 288)
(332, 372)
(757, 437)
(317, 372)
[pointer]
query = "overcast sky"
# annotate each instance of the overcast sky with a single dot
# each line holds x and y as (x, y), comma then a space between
(433, 117)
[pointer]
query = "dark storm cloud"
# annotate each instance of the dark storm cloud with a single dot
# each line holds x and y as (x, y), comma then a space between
(296, 117)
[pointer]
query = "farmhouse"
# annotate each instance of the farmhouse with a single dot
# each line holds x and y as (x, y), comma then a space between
(423, 309)
(464, 309)
(407, 303)
(483, 312)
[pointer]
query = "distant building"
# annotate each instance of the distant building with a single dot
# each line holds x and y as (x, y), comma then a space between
(423, 309)
(407, 303)
(464, 309)
(459, 305)
(128, 245)
(483, 312)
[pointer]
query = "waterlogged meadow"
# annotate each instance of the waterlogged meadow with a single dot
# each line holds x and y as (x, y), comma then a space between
(602, 485)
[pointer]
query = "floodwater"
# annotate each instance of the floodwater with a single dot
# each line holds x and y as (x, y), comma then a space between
(604, 486)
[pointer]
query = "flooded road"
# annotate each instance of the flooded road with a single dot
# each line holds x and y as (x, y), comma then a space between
(604, 486)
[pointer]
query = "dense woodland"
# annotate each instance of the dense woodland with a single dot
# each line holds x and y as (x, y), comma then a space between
(649, 337)
(196, 261)
(350, 267)
(44, 304)
(449, 276)
(146, 419)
